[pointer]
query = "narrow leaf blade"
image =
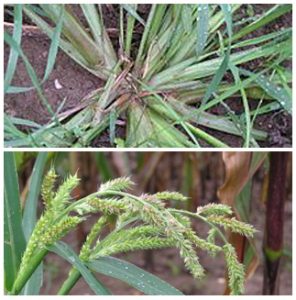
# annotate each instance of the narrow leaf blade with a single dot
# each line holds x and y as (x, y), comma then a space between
(202, 27)
(69, 255)
(14, 240)
(143, 281)
(30, 218)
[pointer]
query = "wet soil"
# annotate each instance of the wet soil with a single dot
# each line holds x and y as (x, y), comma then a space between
(71, 83)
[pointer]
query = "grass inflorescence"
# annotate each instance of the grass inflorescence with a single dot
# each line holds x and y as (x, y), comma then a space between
(141, 223)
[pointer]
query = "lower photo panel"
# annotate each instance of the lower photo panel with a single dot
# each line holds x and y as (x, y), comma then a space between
(148, 223)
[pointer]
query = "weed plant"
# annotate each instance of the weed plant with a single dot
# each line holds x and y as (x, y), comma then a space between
(139, 223)
(165, 87)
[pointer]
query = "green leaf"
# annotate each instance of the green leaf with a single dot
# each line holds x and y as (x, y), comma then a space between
(53, 50)
(30, 209)
(226, 8)
(133, 12)
(99, 33)
(70, 256)
(273, 90)
(186, 18)
(143, 281)
(24, 122)
(202, 27)
(13, 55)
(14, 240)
(30, 70)
(112, 125)
(30, 218)
(275, 12)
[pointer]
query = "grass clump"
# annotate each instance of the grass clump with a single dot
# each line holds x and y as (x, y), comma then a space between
(165, 88)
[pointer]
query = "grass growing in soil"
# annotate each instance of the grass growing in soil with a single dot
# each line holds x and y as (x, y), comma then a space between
(189, 59)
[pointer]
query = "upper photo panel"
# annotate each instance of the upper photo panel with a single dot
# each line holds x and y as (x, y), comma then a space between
(153, 75)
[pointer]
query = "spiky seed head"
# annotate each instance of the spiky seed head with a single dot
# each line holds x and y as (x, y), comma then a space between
(212, 235)
(108, 205)
(118, 184)
(153, 200)
(63, 194)
(86, 249)
(143, 243)
(175, 196)
(234, 225)
(47, 189)
(214, 209)
(57, 231)
(212, 248)
(190, 259)
(236, 272)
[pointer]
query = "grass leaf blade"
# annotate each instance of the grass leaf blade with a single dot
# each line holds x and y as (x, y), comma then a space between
(202, 27)
(13, 55)
(14, 240)
(69, 255)
(133, 275)
(33, 285)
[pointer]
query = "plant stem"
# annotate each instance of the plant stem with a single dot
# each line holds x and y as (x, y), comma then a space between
(26, 273)
(274, 227)
(208, 138)
(73, 277)
(197, 216)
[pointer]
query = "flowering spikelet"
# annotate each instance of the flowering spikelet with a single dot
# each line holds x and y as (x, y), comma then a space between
(125, 217)
(45, 233)
(91, 237)
(170, 196)
(214, 209)
(145, 230)
(58, 230)
(118, 184)
(175, 231)
(137, 232)
(212, 235)
(185, 221)
(63, 195)
(108, 206)
(236, 273)
(149, 215)
(118, 237)
(133, 245)
(42, 225)
(234, 225)
(201, 243)
(190, 258)
(153, 200)
(47, 189)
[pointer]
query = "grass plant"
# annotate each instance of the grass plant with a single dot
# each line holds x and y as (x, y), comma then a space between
(141, 222)
(164, 87)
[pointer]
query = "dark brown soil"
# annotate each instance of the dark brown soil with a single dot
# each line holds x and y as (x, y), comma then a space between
(76, 83)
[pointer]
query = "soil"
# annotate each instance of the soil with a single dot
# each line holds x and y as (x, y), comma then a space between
(75, 83)
(168, 265)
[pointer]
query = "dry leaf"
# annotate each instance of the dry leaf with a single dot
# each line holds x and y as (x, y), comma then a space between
(237, 166)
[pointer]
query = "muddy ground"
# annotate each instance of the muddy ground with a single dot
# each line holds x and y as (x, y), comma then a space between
(168, 265)
(74, 83)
